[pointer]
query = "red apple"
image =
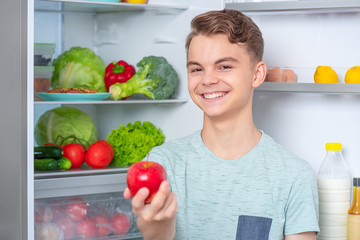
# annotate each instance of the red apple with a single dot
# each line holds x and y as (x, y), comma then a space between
(145, 174)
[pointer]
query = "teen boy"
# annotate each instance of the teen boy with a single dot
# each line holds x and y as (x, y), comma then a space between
(229, 180)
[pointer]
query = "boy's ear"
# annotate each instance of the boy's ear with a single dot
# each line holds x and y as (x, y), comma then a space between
(260, 74)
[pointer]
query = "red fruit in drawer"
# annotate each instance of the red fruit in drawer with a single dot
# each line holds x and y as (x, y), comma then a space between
(77, 209)
(120, 223)
(86, 228)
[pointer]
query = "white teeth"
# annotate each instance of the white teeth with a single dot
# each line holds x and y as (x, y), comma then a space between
(213, 95)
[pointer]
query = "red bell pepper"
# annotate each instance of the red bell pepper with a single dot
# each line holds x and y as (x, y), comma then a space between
(119, 71)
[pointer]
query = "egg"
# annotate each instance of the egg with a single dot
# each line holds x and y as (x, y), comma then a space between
(290, 75)
(276, 75)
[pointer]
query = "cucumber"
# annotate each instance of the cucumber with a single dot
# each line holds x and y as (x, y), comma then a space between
(47, 164)
(64, 163)
(42, 152)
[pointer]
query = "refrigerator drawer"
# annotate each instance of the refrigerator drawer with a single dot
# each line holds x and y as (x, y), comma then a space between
(93, 216)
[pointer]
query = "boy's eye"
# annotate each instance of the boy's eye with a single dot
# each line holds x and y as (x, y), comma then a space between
(224, 67)
(195, 70)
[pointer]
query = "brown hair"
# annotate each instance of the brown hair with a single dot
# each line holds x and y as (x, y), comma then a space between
(237, 26)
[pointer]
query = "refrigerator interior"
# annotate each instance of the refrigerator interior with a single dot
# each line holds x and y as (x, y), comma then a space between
(303, 122)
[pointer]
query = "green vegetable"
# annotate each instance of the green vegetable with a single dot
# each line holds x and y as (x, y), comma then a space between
(155, 78)
(79, 68)
(64, 163)
(132, 142)
(42, 152)
(65, 122)
(47, 164)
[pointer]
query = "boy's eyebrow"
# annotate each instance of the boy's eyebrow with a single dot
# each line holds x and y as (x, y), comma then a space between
(192, 63)
(225, 59)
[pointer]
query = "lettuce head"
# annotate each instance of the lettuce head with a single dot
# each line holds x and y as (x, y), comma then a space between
(79, 68)
(63, 123)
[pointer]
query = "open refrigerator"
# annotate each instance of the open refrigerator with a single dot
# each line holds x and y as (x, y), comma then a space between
(302, 116)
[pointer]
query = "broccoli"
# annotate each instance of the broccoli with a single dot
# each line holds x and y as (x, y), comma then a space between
(155, 78)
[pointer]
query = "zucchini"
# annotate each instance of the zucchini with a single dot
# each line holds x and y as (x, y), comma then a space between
(47, 164)
(42, 152)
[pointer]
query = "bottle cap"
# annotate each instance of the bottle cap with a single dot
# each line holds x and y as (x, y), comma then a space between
(356, 182)
(333, 146)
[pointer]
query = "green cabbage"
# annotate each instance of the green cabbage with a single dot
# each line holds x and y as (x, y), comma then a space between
(131, 143)
(79, 68)
(64, 122)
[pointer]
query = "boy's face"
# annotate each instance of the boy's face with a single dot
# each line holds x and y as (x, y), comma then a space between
(221, 76)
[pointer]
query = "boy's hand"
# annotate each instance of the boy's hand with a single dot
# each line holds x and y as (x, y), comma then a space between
(162, 207)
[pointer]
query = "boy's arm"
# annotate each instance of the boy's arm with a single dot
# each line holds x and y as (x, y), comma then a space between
(156, 220)
(302, 236)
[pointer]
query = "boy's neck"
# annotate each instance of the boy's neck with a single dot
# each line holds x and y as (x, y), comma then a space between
(230, 139)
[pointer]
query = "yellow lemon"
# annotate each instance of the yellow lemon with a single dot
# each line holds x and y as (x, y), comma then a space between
(353, 75)
(325, 74)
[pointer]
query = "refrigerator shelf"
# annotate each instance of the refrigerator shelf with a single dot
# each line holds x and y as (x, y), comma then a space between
(324, 88)
(167, 101)
(77, 182)
(78, 172)
(100, 6)
(294, 6)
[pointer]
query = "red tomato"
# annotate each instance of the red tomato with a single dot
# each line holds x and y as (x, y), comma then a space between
(107, 145)
(86, 229)
(102, 225)
(53, 144)
(99, 154)
(121, 223)
(68, 227)
(75, 153)
(77, 209)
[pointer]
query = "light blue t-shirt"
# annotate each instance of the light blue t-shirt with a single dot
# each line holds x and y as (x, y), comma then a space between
(268, 192)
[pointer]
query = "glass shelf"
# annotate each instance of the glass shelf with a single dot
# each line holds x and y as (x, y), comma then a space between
(324, 88)
(137, 101)
(305, 5)
(99, 6)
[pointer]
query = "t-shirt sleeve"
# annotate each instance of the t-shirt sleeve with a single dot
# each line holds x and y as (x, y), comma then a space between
(303, 204)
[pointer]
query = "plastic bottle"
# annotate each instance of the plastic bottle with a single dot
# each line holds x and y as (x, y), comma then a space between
(334, 185)
(353, 219)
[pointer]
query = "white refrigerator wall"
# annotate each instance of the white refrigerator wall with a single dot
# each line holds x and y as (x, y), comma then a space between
(303, 123)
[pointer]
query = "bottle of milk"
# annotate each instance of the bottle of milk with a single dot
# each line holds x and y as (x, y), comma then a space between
(334, 185)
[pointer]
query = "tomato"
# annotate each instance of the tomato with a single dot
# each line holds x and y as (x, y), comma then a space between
(108, 145)
(102, 225)
(67, 226)
(121, 223)
(99, 154)
(53, 144)
(76, 209)
(75, 153)
(86, 229)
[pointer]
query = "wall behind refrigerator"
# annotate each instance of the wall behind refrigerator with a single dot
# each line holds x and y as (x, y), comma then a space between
(304, 122)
